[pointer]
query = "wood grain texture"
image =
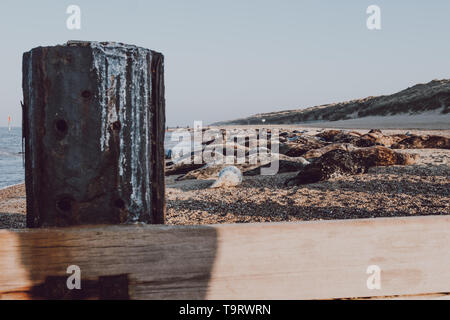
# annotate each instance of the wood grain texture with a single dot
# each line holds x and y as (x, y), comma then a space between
(309, 260)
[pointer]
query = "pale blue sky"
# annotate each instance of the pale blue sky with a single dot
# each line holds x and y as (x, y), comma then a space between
(229, 59)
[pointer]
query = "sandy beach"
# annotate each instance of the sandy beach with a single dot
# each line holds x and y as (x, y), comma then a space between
(385, 191)
(13, 207)
(421, 189)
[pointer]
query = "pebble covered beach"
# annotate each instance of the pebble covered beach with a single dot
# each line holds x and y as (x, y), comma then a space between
(385, 191)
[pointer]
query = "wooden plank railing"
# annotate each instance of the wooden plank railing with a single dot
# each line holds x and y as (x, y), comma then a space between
(309, 260)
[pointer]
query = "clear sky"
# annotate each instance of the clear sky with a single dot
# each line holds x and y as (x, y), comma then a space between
(234, 58)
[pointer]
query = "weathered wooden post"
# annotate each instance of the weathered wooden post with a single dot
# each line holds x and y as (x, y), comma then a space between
(93, 124)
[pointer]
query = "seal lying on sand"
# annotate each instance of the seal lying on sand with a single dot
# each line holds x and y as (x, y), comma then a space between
(228, 177)
(340, 162)
(423, 142)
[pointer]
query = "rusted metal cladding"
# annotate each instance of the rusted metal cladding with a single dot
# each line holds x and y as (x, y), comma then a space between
(93, 124)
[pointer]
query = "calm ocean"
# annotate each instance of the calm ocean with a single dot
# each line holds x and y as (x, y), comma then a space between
(11, 162)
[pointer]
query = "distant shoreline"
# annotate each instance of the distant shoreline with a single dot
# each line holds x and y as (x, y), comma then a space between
(13, 185)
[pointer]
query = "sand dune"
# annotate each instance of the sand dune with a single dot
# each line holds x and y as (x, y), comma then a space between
(433, 97)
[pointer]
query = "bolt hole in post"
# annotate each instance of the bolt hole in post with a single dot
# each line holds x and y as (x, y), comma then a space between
(64, 204)
(86, 94)
(61, 126)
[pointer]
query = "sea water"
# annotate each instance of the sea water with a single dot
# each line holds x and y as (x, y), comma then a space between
(11, 158)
